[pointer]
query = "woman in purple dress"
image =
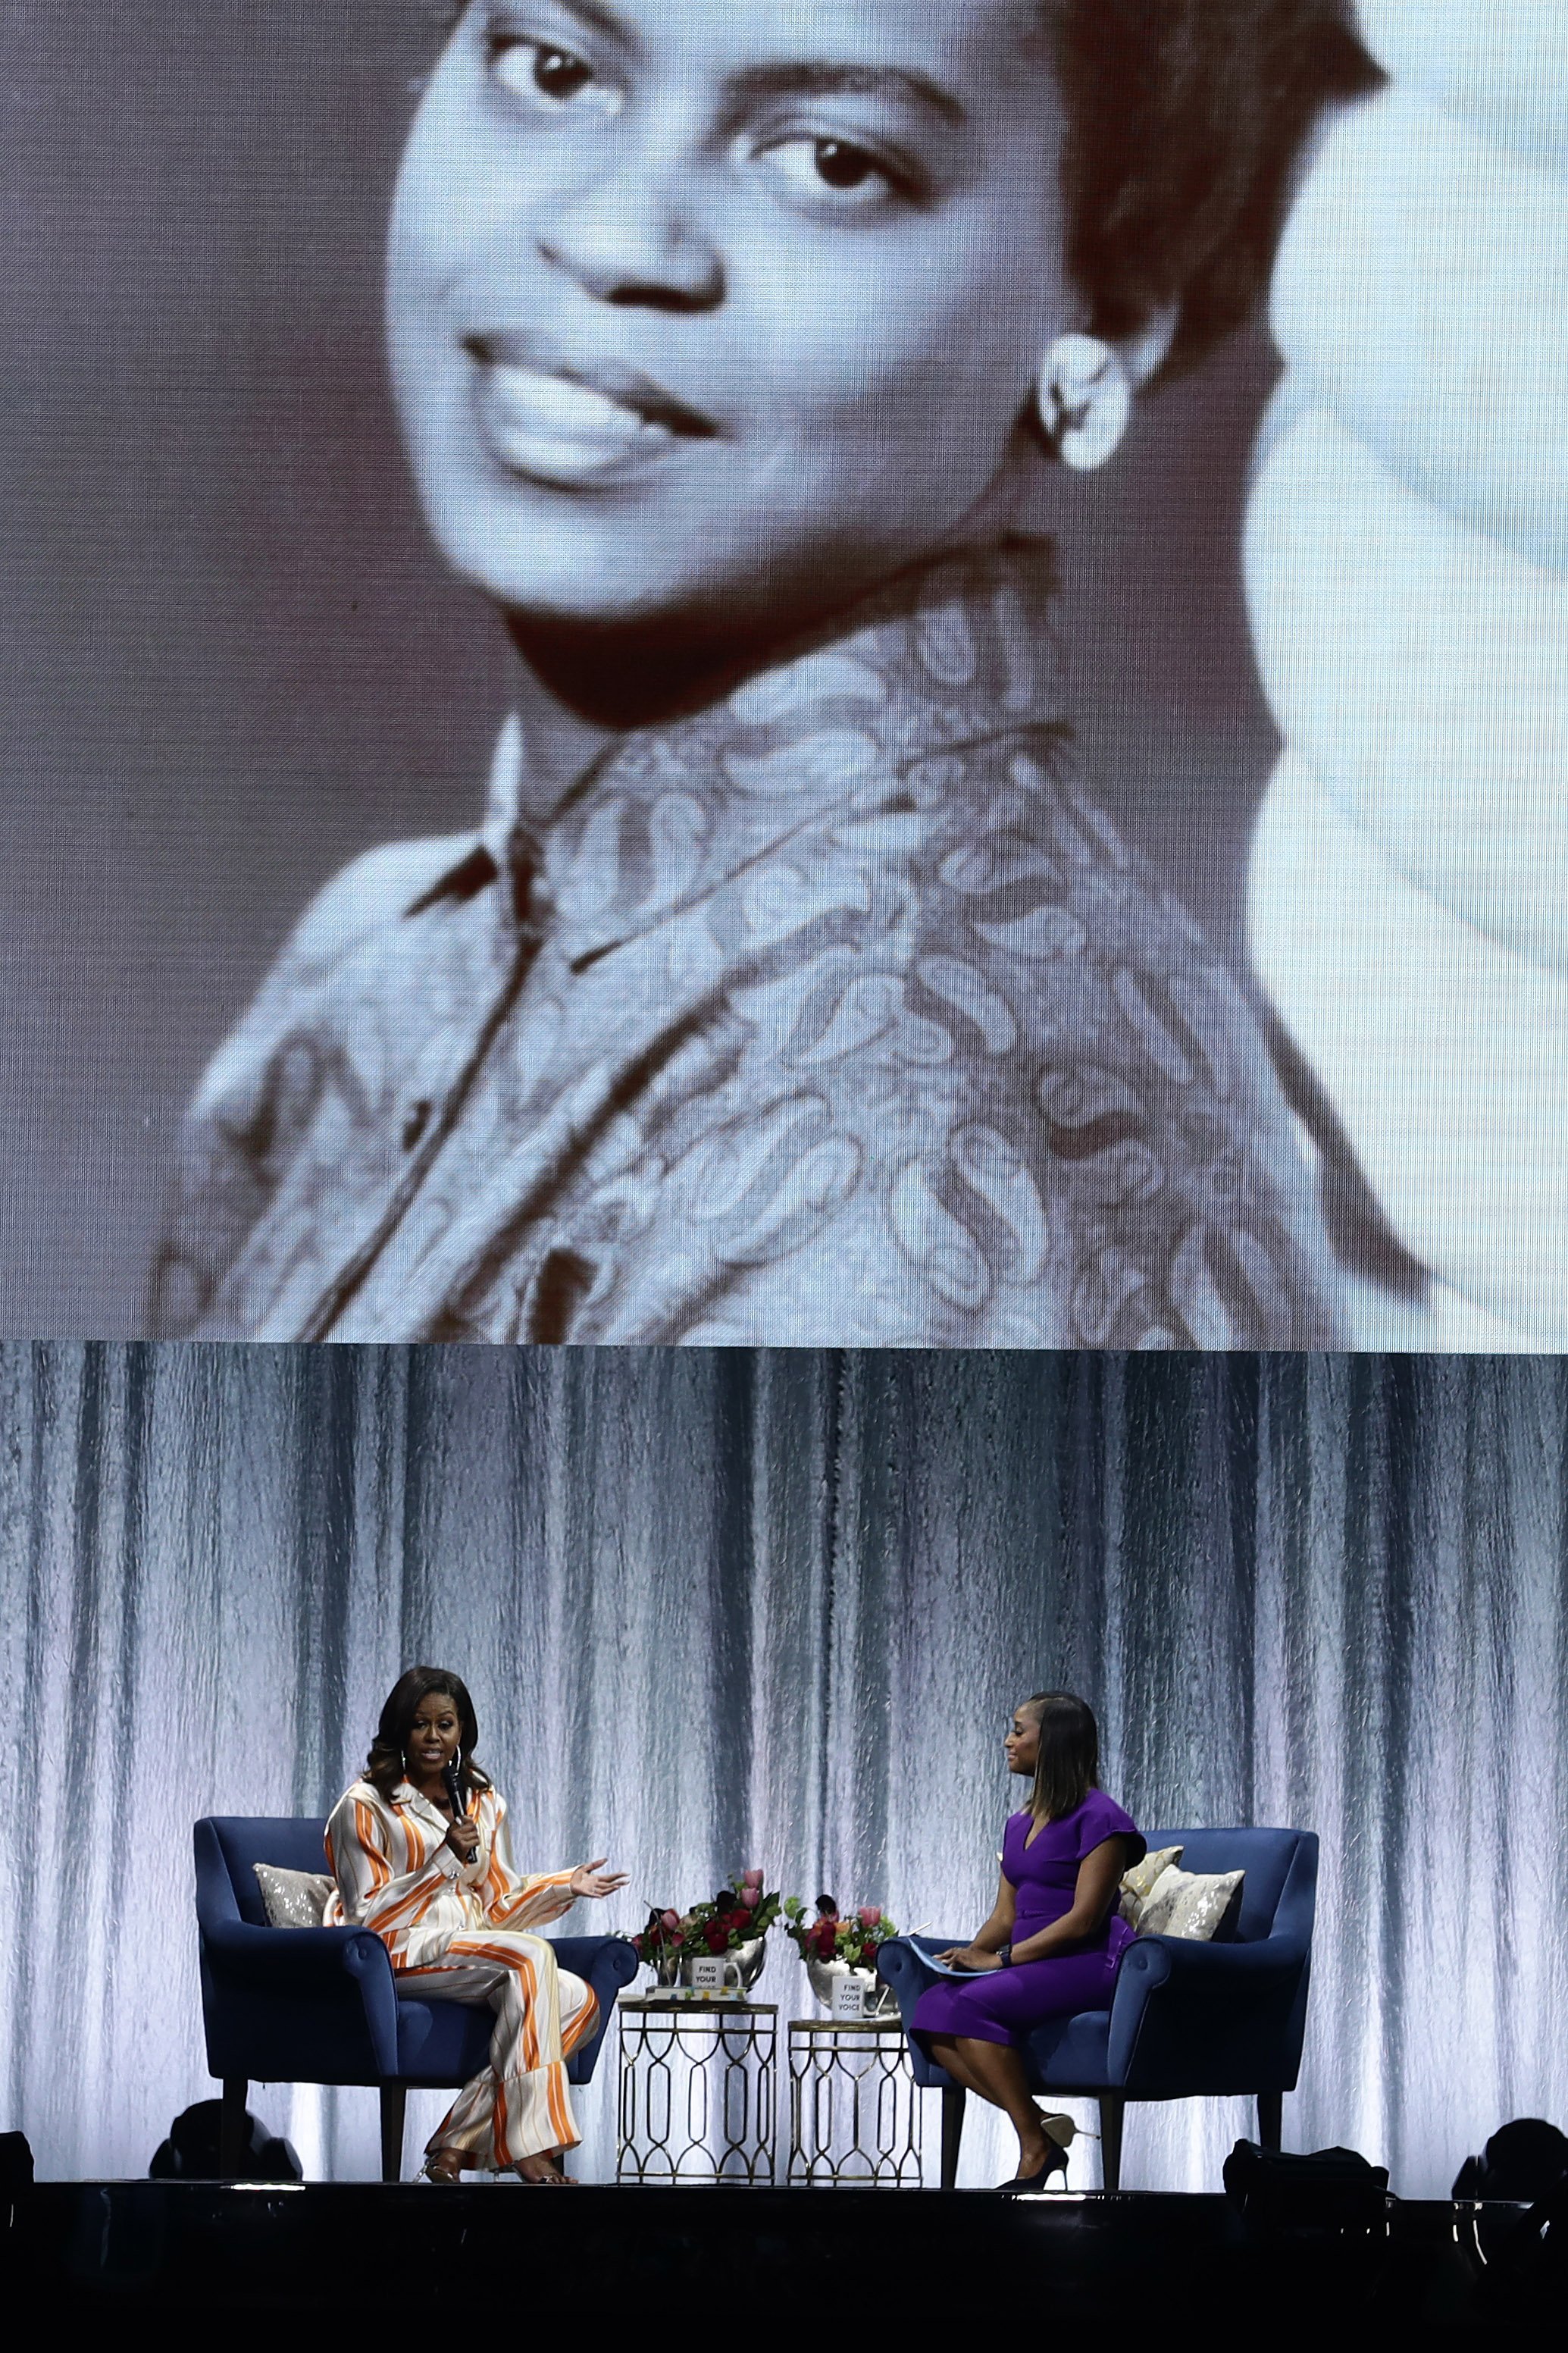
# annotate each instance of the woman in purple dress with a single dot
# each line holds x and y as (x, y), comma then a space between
(1054, 1940)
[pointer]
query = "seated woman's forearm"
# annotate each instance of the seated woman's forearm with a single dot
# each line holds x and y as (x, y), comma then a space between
(533, 1902)
(998, 1929)
(1075, 1927)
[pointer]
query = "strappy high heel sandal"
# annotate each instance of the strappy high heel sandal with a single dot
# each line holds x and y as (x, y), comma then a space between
(444, 2177)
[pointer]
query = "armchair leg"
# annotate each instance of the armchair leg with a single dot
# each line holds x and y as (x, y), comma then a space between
(953, 2101)
(1113, 2107)
(393, 2103)
(231, 2127)
(1270, 2118)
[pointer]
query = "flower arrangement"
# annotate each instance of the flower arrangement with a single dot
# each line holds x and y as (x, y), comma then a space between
(738, 1915)
(830, 1937)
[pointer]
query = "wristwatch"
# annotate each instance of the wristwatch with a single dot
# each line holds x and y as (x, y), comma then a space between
(1005, 1954)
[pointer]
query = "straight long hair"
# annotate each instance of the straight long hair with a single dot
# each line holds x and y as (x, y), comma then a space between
(1066, 1767)
(387, 1763)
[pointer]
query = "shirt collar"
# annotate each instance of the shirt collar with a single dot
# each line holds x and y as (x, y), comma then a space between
(405, 1794)
(941, 658)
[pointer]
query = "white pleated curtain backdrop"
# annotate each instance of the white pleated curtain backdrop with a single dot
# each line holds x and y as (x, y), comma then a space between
(1408, 560)
(724, 1609)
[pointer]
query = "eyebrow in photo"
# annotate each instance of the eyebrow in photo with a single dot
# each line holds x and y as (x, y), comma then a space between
(792, 77)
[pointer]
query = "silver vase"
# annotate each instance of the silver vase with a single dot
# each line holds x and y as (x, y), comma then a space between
(880, 2000)
(742, 1965)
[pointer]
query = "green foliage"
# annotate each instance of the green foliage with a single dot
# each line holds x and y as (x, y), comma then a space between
(827, 1935)
(722, 1924)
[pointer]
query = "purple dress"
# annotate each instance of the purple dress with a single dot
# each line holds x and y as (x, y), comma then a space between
(1005, 2005)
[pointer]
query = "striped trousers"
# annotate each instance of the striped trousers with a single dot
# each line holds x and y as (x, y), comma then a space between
(521, 2106)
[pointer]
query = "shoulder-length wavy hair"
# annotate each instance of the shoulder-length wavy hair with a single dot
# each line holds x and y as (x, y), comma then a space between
(386, 1765)
(1066, 1767)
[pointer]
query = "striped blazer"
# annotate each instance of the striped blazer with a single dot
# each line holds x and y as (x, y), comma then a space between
(396, 1874)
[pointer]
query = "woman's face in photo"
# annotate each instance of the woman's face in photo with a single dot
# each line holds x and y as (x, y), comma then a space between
(715, 311)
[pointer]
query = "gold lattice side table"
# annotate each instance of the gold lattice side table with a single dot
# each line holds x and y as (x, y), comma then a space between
(854, 2120)
(698, 2090)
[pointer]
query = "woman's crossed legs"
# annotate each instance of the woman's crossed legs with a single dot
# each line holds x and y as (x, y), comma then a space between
(995, 2070)
(518, 2113)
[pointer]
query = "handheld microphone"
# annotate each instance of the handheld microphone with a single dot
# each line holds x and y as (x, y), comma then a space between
(455, 1793)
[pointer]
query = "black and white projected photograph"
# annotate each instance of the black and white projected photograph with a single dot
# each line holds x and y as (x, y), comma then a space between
(827, 672)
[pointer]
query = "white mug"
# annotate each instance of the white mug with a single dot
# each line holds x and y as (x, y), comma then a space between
(849, 1998)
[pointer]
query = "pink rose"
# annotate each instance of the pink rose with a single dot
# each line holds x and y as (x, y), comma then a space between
(871, 1915)
(749, 1898)
(751, 1878)
(671, 1919)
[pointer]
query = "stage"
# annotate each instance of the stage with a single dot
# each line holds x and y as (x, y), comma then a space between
(817, 2259)
(725, 1612)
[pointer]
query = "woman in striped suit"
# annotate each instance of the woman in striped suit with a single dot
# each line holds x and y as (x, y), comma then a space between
(436, 1882)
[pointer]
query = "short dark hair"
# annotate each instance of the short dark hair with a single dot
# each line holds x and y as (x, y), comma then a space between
(1067, 1764)
(386, 1764)
(1184, 122)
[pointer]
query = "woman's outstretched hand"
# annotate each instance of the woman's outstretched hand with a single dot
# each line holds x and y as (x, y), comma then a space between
(592, 1879)
(968, 1957)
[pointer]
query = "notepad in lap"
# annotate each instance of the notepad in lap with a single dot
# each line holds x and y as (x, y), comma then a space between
(928, 1948)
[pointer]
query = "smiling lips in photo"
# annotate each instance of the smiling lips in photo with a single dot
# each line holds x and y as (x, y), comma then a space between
(573, 423)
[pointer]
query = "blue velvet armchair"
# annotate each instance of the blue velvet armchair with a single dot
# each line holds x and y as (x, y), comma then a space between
(321, 2005)
(1188, 2020)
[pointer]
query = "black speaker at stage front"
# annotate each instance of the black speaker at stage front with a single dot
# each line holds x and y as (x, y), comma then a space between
(1325, 2189)
(192, 2150)
(1521, 2162)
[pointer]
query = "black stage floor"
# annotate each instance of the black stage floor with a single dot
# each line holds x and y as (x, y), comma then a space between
(1150, 2264)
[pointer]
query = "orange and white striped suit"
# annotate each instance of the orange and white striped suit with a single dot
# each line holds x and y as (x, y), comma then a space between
(458, 1933)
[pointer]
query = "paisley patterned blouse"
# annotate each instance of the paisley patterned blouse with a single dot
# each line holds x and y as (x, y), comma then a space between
(835, 1015)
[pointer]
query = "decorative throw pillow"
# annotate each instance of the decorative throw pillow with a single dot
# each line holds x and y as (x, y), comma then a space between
(1207, 1905)
(1139, 1884)
(292, 1899)
(1189, 1903)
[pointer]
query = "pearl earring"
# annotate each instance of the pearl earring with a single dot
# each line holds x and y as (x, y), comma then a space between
(1086, 401)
